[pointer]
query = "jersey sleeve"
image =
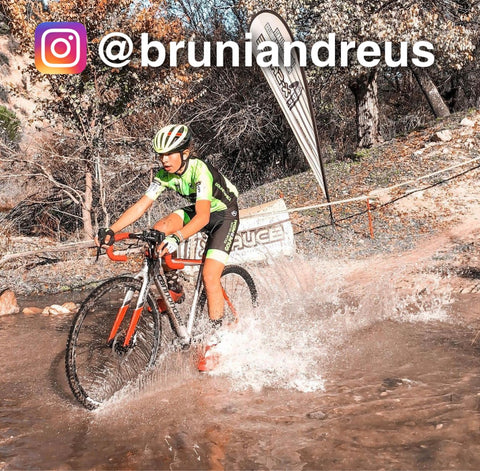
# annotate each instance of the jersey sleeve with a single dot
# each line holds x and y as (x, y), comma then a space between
(204, 184)
(155, 189)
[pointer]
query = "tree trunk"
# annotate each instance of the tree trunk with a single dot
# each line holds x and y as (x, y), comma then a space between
(365, 91)
(87, 206)
(434, 99)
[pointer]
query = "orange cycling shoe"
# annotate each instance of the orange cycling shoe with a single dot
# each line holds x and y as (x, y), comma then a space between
(209, 360)
(210, 357)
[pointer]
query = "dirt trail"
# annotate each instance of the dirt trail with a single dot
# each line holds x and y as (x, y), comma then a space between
(467, 233)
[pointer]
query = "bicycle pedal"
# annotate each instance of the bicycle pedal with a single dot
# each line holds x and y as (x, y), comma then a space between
(178, 298)
(149, 309)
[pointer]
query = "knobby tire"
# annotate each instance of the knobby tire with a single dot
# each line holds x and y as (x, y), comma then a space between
(97, 370)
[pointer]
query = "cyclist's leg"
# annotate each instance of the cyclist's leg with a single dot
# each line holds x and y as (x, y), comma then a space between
(219, 245)
(169, 224)
(212, 271)
(221, 234)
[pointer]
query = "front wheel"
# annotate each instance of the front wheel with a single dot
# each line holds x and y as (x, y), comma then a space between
(97, 367)
(240, 295)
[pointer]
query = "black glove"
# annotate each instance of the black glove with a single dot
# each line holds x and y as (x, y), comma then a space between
(102, 235)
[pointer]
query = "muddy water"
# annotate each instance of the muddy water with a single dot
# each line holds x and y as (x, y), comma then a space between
(321, 376)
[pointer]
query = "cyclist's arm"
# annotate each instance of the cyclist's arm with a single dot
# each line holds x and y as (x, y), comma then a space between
(134, 212)
(199, 221)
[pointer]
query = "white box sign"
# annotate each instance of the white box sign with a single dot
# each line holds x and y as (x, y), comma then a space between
(264, 232)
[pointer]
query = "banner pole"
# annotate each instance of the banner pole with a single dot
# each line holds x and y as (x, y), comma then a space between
(317, 142)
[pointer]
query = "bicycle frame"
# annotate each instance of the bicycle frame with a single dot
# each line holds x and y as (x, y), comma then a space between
(151, 270)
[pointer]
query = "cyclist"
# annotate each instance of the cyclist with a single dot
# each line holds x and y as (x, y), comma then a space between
(213, 210)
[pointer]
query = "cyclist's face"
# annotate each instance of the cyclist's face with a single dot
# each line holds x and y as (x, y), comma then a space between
(173, 162)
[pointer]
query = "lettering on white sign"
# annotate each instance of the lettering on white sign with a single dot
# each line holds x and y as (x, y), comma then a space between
(264, 232)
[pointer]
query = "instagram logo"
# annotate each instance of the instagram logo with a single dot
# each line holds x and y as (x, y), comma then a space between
(60, 48)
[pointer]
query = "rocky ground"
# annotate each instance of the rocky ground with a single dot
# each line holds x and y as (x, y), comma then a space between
(414, 218)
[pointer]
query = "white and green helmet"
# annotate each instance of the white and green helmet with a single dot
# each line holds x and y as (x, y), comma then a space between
(172, 138)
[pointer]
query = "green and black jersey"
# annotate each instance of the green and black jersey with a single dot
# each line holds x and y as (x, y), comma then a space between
(199, 182)
(202, 182)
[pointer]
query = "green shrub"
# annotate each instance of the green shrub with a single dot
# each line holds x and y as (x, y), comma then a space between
(10, 125)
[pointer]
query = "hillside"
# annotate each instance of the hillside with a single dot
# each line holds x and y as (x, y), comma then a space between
(407, 209)
(415, 207)
(435, 214)
(18, 94)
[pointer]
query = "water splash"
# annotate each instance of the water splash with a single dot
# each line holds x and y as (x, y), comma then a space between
(429, 305)
(260, 354)
(307, 310)
(282, 343)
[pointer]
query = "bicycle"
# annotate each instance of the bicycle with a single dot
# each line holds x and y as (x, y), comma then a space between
(116, 334)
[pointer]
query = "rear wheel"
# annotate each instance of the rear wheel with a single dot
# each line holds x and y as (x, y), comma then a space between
(97, 369)
(240, 295)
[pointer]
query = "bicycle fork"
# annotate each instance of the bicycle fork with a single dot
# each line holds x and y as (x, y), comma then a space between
(137, 311)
